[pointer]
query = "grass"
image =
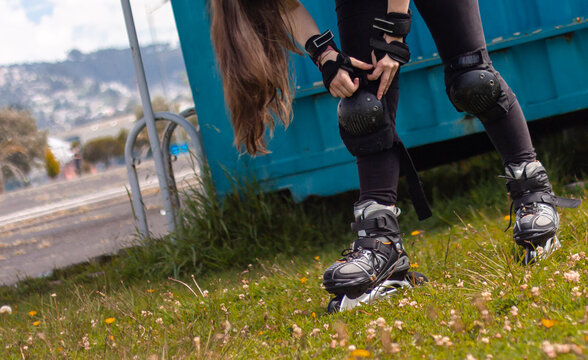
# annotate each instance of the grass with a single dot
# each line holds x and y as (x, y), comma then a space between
(243, 280)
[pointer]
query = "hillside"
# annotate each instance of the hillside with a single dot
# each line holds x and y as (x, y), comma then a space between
(87, 87)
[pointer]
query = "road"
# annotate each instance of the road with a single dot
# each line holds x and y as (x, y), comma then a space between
(68, 222)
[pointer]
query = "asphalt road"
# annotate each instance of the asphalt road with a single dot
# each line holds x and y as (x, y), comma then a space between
(68, 222)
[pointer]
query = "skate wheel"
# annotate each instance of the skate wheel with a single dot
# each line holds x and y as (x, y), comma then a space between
(416, 278)
(334, 304)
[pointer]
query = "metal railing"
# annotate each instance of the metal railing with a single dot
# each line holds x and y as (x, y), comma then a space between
(162, 159)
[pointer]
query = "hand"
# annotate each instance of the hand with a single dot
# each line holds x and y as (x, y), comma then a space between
(342, 86)
(385, 70)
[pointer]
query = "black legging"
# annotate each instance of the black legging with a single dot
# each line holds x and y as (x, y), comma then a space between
(457, 29)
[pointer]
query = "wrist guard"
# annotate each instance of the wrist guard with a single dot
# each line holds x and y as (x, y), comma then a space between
(330, 68)
(393, 24)
(316, 45)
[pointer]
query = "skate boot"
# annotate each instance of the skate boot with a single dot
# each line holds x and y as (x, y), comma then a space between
(536, 217)
(376, 266)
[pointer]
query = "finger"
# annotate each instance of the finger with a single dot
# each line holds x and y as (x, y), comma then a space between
(360, 64)
(374, 59)
(375, 75)
(383, 84)
(350, 91)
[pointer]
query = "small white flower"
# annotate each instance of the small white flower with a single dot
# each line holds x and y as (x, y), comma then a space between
(5, 309)
(572, 276)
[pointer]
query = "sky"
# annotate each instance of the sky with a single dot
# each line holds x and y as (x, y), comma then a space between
(46, 30)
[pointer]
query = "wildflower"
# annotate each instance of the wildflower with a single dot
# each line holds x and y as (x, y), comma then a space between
(442, 340)
(486, 296)
(381, 322)
(415, 233)
(371, 333)
(37, 323)
(150, 290)
(316, 258)
(535, 291)
(576, 291)
(414, 265)
(109, 320)
(159, 321)
(359, 353)
(313, 315)
(32, 313)
(54, 295)
(507, 218)
(296, 331)
(5, 309)
(575, 257)
(514, 311)
(572, 276)
(315, 332)
(241, 296)
(523, 287)
(303, 280)
(205, 293)
(459, 284)
(398, 324)
(485, 340)
(547, 322)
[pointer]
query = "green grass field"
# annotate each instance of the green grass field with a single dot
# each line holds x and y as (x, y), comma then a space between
(243, 281)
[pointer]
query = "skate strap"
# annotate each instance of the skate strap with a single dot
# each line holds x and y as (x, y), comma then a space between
(415, 186)
(547, 199)
(376, 223)
(385, 247)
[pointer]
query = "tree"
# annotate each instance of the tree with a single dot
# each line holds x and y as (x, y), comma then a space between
(21, 143)
(103, 149)
(51, 164)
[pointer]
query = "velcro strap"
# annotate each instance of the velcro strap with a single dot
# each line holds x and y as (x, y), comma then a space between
(393, 24)
(415, 187)
(396, 50)
(378, 223)
(538, 197)
(330, 68)
(380, 244)
(465, 61)
(317, 44)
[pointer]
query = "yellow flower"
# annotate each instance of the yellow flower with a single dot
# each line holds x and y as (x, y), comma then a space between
(36, 323)
(360, 353)
(414, 265)
(260, 332)
(111, 338)
(32, 313)
(313, 315)
(109, 320)
(303, 280)
(150, 290)
(507, 218)
(548, 323)
(415, 233)
(316, 257)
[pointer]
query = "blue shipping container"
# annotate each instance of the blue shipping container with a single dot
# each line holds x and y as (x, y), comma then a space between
(539, 46)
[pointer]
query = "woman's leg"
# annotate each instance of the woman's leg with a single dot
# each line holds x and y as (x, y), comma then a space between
(457, 30)
(474, 86)
(378, 170)
(377, 254)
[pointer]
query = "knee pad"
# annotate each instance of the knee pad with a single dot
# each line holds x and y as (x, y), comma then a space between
(475, 91)
(475, 87)
(362, 125)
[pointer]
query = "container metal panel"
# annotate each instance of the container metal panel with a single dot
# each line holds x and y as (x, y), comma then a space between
(539, 47)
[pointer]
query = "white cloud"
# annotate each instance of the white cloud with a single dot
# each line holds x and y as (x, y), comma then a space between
(84, 25)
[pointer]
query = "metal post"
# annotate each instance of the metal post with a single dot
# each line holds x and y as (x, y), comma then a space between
(149, 115)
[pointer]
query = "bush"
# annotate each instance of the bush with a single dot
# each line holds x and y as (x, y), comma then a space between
(51, 164)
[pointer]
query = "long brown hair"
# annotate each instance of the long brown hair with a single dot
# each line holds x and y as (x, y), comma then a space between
(251, 40)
